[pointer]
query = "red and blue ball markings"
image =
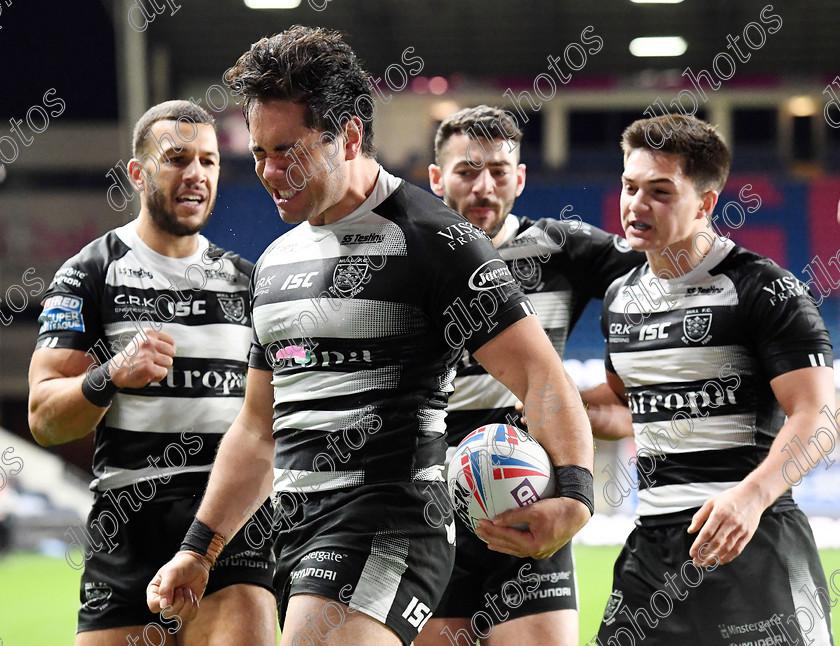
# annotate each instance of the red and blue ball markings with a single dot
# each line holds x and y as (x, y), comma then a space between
(503, 466)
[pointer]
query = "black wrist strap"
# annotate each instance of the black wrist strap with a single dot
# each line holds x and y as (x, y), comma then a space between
(576, 482)
(98, 387)
(204, 541)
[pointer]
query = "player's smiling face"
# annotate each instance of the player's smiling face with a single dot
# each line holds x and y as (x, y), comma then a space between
(479, 182)
(292, 165)
(180, 193)
(660, 205)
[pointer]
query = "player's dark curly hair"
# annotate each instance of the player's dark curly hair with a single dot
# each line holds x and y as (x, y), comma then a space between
(480, 121)
(168, 111)
(311, 66)
(705, 153)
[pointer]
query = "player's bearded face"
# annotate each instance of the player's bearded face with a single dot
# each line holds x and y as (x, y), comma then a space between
(181, 167)
(162, 208)
(479, 182)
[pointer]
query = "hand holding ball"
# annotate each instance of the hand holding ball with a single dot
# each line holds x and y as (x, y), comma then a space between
(497, 468)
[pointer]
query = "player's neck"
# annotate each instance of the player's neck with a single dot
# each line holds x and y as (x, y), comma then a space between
(362, 175)
(499, 238)
(678, 258)
(164, 243)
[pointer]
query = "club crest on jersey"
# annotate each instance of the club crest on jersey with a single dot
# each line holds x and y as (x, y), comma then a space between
(696, 327)
(233, 307)
(613, 604)
(350, 275)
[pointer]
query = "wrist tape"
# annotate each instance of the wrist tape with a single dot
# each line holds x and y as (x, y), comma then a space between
(576, 482)
(203, 541)
(98, 387)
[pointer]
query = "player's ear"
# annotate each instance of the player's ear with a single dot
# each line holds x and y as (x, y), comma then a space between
(436, 179)
(136, 173)
(707, 206)
(353, 133)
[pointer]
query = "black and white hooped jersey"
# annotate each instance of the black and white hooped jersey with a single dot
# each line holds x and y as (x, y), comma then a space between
(696, 354)
(115, 287)
(561, 265)
(362, 322)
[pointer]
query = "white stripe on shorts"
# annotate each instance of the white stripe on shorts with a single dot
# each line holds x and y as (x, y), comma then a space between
(380, 579)
(801, 582)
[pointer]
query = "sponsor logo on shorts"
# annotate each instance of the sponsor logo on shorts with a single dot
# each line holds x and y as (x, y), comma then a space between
(62, 313)
(764, 626)
(613, 604)
(315, 572)
(514, 601)
(246, 558)
(556, 577)
(97, 596)
(417, 613)
(324, 555)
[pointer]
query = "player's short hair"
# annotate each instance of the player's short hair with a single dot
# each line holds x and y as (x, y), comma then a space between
(704, 152)
(482, 122)
(313, 67)
(167, 111)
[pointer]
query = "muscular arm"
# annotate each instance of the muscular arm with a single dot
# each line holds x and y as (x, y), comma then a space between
(522, 358)
(243, 469)
(728, 521)
(607, 409)
(59, 412)
(242, 474)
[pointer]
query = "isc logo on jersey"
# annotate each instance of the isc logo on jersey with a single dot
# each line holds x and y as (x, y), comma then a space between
(654, 331)
(293, 281)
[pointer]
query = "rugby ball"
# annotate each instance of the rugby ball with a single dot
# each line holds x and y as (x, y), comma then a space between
(497, 468)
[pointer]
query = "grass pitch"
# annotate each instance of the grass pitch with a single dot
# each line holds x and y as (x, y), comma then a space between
(39, 595)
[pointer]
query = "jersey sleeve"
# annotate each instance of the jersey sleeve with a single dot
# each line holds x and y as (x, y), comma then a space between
(258, 354)
(71, 314)
(472, 295)
(598, 257)
(609, 296)
(784, 321)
